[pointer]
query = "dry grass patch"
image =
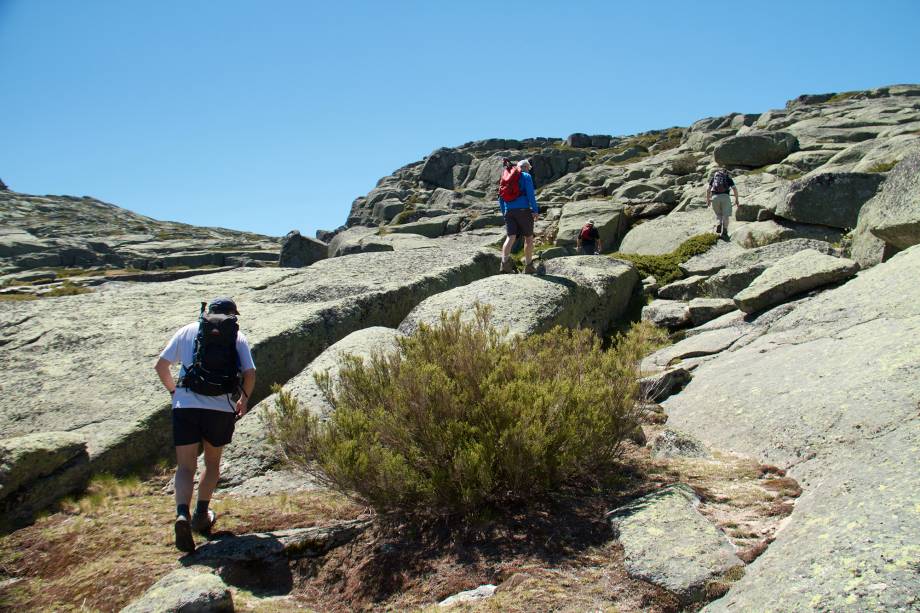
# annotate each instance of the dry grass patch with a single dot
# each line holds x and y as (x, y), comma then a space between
(103, 550)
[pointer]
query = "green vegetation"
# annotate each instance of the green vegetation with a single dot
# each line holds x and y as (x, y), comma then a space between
(68, 288)
(841, 97)
(461, 420)
(17, 297)
(665, 267)
(883, 166)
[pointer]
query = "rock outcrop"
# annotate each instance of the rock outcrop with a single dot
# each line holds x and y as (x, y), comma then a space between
(108, 341)
(826, 387)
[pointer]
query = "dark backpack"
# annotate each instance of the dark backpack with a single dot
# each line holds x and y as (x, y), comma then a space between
(215, 369)
(509, 186)
(720, 182)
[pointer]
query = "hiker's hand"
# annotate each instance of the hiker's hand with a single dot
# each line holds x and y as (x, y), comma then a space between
(241, 407)
(536, 216)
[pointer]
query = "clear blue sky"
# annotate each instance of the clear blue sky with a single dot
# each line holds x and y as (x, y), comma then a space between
(274, 115)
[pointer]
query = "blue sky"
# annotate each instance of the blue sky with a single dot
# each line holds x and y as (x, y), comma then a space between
(273, 115)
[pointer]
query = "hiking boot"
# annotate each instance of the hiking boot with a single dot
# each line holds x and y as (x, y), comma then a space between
(530, 269)
(718, 230)
(184, 540)
(201, 523)
(507, 266)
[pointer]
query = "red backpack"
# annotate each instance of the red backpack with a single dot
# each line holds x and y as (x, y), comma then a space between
(509, 187)
(586, 232)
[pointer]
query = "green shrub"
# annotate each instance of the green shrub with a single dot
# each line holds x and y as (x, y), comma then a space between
(460, 420)
(665, 267)
(67, 289)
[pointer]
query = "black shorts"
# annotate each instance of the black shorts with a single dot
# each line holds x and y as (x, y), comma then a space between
(192, 425)
(519, 222)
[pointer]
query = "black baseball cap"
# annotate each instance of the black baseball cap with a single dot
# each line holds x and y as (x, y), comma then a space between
(223, 305)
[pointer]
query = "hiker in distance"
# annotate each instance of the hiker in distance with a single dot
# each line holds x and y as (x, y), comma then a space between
(215, 382)
(717, 197)
(588, 241)
(518, 205)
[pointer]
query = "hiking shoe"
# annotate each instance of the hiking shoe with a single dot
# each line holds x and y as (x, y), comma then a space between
(529, 269)
(202, 523)
(507, 266)
(718, 230)
(184, 540)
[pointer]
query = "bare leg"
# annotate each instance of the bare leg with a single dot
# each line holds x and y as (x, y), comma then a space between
(506, 247)
(528, 249)
(208, 481)
(186, 464)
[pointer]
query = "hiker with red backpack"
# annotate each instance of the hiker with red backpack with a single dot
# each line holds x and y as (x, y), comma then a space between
(518, 204)
(213, 390)
(589, 240)
(717, 197)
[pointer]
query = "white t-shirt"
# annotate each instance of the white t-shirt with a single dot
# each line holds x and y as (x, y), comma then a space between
(181, 348)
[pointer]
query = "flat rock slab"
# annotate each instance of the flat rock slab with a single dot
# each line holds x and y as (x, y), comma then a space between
(694, 346)
(111, 338)
(262, 546)
(250, 456)
(829, 391)
(703, 310)
(667, 542)
(746, 266)
(793, 275)
(715, 259)
(667, 313)
(184, 590)
(684, 289)
(576, 291)
(665, 234)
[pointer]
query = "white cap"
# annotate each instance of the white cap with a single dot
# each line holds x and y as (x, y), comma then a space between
(524, 162)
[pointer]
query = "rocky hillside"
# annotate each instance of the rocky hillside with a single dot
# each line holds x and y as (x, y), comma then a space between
(42, 235)
(794, 350)
(836, 143)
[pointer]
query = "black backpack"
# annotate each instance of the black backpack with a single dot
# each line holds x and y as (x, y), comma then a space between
(215, 369)
(720, 182)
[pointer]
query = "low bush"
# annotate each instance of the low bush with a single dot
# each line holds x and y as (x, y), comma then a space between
(67, 289)
(882, 166)
(460, 419)
(665, 268)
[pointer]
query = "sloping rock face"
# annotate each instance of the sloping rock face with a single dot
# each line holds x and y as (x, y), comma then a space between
(65, 231)
(34, 461)
(666, 541)
(665, 234)
(826, 387)
(108, 341)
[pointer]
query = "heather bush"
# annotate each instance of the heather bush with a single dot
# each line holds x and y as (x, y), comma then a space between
(460, 419)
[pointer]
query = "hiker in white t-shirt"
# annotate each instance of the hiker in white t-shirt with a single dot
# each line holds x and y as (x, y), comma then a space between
(208, 418)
